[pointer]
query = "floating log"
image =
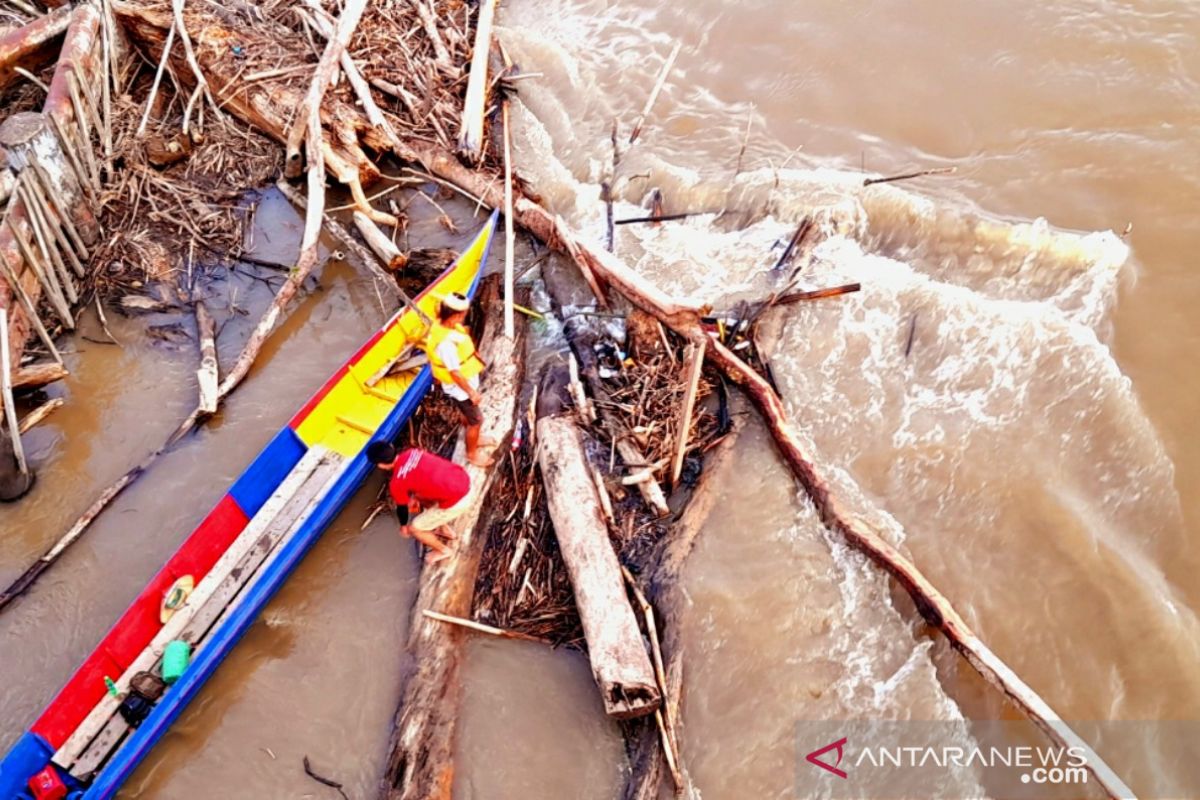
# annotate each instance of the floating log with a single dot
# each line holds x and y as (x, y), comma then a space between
(40, 413)
(420, 764)
(379, 242)
(662, 575)
(34, 376)
(619, 661)
(206, 375)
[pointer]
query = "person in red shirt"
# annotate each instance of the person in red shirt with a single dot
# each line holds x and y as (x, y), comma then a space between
(430, 493)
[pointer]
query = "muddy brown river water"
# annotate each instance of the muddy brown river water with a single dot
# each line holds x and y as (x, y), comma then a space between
(1035, 451)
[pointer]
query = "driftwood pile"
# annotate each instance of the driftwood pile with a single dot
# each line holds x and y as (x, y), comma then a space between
(380, 93)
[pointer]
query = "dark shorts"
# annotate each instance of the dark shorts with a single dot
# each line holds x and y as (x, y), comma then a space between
(470, 412)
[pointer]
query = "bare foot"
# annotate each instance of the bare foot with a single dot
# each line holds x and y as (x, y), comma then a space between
(447, 533)
(480, 460)
(434, 556)
(487, 441)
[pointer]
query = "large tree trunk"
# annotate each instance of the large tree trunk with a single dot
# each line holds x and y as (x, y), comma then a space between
(618, 655)
(420, 763)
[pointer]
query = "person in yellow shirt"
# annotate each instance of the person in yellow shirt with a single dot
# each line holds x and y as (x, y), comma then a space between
(457, 366)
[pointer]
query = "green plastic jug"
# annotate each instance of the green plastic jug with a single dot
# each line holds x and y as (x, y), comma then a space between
(176, 656)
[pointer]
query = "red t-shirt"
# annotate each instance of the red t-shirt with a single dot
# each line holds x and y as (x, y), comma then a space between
(429, 478)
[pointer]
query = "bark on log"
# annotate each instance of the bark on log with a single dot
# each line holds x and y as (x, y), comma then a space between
(420, 764)
(617, 653)
(23, 46)
(34, 376)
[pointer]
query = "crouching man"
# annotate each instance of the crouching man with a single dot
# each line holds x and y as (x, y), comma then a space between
(430, 493)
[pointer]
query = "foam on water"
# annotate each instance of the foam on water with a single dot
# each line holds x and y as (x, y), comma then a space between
(1002, 446)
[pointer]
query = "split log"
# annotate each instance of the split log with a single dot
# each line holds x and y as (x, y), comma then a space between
(67, 179)
(30, 43)
(34, 376)
(619, 661)
(420, 764)
(470, 139)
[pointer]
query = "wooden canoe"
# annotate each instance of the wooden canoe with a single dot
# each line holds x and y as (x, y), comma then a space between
(238, 556)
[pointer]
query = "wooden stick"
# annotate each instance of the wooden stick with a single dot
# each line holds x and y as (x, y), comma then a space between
(470, 137)
(659, 218)
(190, 54)
(695, 366)
(162, 66)
(206, 375)
(40, 413)
(30, 310)
(45, 189)
(429, 21)
(510, 236)
(481, 627)
(817, 294)
(48, 244)
(907, 175)
(54, 221)
(350, 243)
(802, 230)
(10, 406)
(658, 85)
(45, 276)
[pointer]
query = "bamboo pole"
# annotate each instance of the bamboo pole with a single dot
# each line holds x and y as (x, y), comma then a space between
(10, 407)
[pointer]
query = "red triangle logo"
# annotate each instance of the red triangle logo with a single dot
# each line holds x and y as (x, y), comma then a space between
(815, 757)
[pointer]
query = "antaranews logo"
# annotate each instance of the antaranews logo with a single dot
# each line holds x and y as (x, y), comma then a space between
(815, 757)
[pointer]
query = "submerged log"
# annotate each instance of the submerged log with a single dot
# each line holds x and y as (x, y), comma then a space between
(420, 764)
(618, 656)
